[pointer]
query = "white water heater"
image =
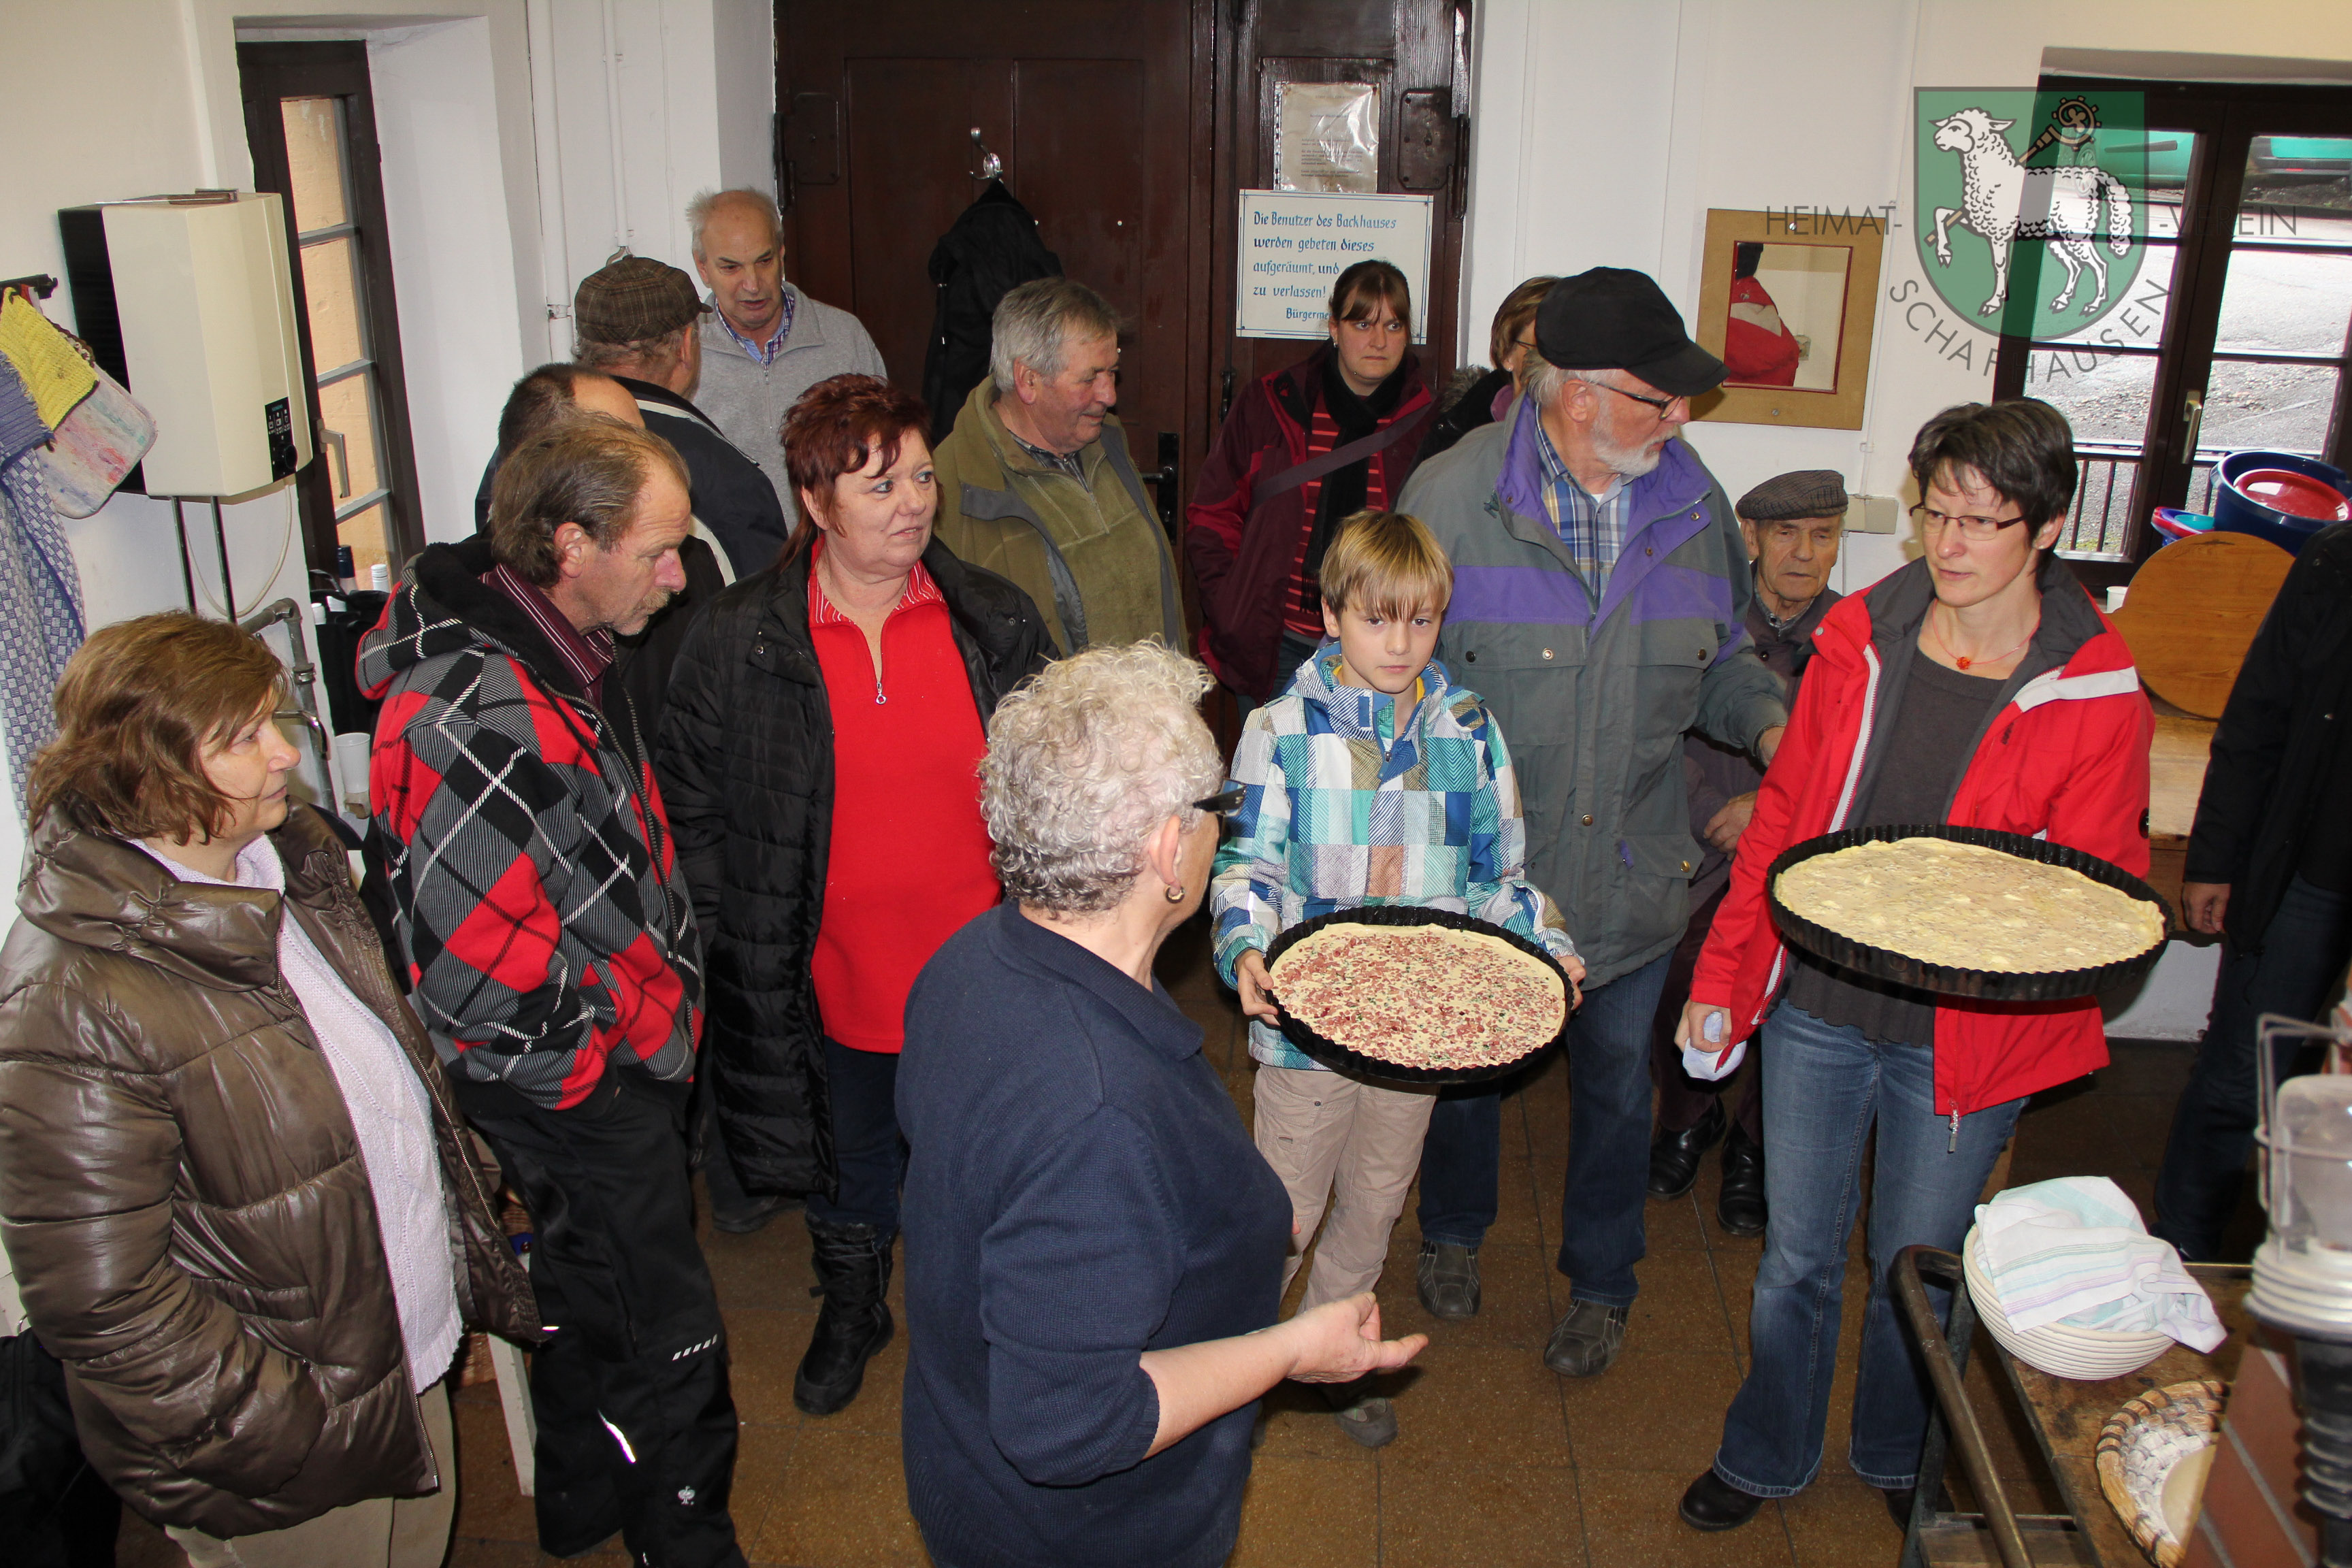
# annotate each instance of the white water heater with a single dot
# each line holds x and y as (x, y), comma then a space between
(188, 300)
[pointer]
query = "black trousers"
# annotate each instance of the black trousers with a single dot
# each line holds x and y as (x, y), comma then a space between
(1681, 1099)
(868, 1150)
(636, 1427)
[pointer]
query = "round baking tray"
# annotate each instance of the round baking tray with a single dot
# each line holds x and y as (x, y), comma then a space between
(1333, 1055)
(1978, 984)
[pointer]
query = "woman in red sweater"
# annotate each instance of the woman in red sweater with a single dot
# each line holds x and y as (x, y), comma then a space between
(821, 755)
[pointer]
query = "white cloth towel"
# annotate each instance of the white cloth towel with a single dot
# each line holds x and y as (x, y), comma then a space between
(2073, 1251)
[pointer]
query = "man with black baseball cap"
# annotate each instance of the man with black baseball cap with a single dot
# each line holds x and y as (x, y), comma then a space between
(1599, 600)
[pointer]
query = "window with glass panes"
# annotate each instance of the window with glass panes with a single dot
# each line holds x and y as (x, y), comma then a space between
(2237, 331)
(312, 132)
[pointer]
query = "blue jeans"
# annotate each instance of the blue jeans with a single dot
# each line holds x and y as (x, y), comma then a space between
(867, 1151)
(1600, 1230)
(1461, 1167)
(1825, 1085)
(2301, 956)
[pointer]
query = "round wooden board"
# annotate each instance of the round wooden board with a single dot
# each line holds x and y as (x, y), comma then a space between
(2192, 611)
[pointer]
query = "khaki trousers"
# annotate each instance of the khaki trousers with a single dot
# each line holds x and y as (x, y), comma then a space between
(1334, 1139)
(375, 1532)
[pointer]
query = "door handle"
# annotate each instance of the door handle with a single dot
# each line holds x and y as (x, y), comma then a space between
(343, 457)
(2192, 408)
(1163, 480)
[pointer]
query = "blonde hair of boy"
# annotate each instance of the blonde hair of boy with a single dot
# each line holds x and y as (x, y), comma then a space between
(1386, 564)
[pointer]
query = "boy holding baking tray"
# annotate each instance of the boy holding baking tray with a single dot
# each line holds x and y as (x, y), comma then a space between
(1373, 780)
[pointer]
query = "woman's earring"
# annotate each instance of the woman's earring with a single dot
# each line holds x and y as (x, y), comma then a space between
(1176, 894)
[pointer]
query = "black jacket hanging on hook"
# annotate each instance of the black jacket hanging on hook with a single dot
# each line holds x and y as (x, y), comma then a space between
(991, 249)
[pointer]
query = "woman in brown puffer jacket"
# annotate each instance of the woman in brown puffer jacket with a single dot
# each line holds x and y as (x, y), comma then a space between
(237, 1200)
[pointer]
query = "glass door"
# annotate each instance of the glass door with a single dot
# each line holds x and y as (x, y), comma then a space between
(2237, 329)
(310, 124)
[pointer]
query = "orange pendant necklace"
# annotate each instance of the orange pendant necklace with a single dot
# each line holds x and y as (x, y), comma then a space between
(1963, 660)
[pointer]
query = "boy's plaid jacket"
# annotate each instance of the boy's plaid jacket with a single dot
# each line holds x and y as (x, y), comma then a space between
(546, 923)
(1334, 817)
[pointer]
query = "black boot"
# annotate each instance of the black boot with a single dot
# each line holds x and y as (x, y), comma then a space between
(853, 1271)
(1673, 1157)
(1740, 1207)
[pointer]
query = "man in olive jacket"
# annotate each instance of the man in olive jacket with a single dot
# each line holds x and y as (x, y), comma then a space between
(1601, 592)
(1036, 483)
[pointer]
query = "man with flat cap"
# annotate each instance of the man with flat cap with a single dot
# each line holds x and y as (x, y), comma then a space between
(639, 322)
(1792, 526)
(1601, 592)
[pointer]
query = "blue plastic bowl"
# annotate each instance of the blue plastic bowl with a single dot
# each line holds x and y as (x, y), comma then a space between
(2234, 511)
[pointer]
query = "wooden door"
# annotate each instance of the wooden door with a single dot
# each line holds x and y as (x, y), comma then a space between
(1091, 105)
(1417, 52)
(1127, 127)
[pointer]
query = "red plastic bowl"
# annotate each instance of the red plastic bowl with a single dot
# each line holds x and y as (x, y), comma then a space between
(2295, 495)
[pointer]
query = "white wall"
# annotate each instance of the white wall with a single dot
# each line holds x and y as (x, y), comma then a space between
(471, 96)
(1604, 131)
(641, 104)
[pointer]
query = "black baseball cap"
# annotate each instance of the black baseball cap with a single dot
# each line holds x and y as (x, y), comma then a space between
(1612, 318)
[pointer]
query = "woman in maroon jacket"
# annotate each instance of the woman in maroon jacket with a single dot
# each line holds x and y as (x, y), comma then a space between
(1303, 450)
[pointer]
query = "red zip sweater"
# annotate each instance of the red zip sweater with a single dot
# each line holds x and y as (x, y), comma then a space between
(2063, 756)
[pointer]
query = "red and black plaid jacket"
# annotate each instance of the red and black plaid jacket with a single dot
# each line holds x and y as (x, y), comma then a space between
(546, 923)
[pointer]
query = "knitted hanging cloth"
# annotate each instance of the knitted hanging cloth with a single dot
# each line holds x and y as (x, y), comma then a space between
(40, 587)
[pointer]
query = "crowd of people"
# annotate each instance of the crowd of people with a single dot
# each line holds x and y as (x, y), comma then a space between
(763, 792)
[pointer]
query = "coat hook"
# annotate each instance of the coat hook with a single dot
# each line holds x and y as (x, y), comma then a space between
(992, 167)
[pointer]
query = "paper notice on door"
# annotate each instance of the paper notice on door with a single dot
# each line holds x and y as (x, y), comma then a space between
(1327, 136)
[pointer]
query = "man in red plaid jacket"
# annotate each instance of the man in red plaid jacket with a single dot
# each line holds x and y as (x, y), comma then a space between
(552, 945)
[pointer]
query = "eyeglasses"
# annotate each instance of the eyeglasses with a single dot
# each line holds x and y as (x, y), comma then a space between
(1664, 405)
(1225, 800)
(1929, 519)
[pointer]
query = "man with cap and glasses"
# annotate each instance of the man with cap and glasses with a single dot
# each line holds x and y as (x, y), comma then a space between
(1601, 602)
(1793, 525)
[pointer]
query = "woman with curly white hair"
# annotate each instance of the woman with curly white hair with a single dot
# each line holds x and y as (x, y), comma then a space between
(1094, 1247)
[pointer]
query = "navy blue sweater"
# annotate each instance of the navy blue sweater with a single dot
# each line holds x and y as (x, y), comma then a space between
(1079, 1190)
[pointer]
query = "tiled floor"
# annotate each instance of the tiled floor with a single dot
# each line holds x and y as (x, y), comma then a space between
(1498, 1463)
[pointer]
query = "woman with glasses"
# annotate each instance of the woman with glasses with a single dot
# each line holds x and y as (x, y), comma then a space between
(817, 759)
(1094, 1250)
(1303, 450)
(1980, 686)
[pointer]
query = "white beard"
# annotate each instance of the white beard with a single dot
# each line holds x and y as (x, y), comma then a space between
(1629, 462)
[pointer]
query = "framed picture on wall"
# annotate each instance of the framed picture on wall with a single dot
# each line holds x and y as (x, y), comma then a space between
(1787, 300)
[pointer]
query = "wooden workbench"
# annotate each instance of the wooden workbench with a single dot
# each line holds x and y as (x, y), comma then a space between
(2065, 1416)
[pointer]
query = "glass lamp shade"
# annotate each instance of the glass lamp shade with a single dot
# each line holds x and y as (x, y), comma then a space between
(2303, 1273)
(2311, 1188)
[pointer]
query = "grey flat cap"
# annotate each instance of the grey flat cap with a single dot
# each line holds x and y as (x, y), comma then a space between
(1808, 492)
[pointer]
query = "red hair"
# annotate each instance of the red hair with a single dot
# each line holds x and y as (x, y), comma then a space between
(837, 429)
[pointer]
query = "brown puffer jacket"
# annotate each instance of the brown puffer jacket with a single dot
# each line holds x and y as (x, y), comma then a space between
(184, 1198)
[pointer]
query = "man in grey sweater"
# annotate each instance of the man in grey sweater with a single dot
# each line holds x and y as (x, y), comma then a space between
(766, 343)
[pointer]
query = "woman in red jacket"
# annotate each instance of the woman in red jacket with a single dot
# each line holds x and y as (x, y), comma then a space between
(1980, 686)
(1302, 450)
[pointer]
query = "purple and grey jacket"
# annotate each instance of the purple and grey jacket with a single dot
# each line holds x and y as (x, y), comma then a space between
(1596, 699)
